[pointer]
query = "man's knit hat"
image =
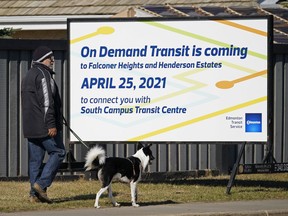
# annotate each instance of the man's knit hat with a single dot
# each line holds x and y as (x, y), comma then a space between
(41, 53)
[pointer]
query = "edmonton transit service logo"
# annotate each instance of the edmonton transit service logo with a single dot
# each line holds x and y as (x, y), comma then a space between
(253, 122)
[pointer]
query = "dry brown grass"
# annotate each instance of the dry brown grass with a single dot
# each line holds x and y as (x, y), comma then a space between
(81, 193)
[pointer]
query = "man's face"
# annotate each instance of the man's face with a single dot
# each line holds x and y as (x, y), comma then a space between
(49, 62)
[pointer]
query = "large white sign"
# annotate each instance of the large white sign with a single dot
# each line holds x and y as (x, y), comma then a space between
(169, 80)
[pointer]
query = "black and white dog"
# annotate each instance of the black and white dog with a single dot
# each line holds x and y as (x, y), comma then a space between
(124, 169)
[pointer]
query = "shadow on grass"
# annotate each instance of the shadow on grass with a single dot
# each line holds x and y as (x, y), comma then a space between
(202, 182)
(92, 197)
(75, 198)
(149, 203)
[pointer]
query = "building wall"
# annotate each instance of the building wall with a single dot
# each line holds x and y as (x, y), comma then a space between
(15, 59)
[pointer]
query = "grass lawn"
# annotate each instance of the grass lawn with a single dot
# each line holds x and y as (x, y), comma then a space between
(81, 193)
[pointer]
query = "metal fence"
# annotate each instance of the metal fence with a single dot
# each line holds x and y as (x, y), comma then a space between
(15, 59)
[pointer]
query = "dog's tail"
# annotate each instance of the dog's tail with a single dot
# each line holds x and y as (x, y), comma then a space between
(94, 158)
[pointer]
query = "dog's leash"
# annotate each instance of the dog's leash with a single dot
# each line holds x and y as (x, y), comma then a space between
(73, 132)
(132, 166)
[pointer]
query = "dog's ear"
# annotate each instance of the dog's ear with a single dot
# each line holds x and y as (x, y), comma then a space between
(149, 145)
(139, 145)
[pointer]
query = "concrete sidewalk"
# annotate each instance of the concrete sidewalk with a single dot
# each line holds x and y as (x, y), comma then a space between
(235, 208)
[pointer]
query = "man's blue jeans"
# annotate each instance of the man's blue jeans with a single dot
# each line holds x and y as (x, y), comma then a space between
(37, 148)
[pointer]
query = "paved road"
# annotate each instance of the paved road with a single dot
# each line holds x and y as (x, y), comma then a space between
(237, 208)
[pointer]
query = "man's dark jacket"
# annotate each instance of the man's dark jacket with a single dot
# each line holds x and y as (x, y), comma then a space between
(41, 102)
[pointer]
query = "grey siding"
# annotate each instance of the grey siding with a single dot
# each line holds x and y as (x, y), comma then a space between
(15, 58)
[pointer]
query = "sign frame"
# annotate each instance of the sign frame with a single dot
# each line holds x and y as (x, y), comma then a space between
(174, 19)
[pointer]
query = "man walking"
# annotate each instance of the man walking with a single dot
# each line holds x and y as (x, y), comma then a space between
(42, 123)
